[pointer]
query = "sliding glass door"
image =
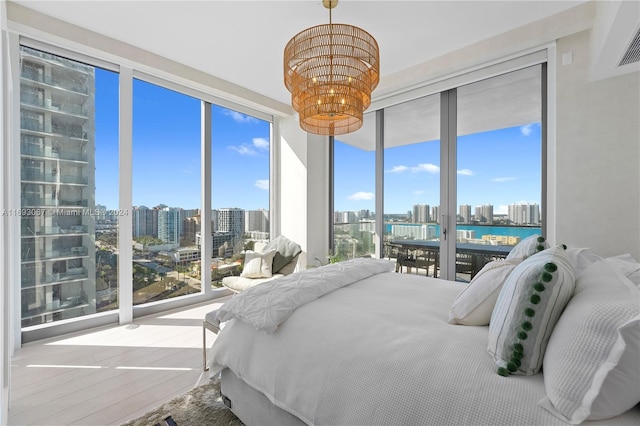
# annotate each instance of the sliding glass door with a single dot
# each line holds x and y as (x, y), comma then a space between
(499, 167)
(412, 184)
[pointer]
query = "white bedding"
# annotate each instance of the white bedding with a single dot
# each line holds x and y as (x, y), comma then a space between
(380, 351)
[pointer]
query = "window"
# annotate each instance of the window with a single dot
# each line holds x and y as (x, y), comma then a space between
(67, 268)
(463, 174)
(166, 193)
(240, 151)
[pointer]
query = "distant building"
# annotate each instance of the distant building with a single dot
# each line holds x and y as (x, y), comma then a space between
(524, 214)
(421, 213)
(465, 213)
(169, 225)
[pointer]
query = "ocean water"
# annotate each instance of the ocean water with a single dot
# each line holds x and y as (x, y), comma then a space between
(511, 231)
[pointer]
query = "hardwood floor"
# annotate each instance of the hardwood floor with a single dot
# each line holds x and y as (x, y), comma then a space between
(109, 375)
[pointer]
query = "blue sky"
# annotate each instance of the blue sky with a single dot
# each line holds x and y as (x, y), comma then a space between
(497, 167)
(166, 150)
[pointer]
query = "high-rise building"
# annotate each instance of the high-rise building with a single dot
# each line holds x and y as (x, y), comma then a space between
(524, 214)
(256, 220)
(231, 222)
(169, 225)
(145, 221)
(435, 214)
(57, 149)
(465, 213)
(421, 213)
(190, 226)
(484, 213)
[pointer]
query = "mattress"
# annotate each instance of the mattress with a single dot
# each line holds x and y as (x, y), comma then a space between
(380, 352)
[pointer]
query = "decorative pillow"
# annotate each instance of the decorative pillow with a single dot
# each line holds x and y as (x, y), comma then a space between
(257, 265)
(528, 247)
(592, 363)
(628, 266)
(286, 250)
(290, 267)
(527, 309)
(474, 304)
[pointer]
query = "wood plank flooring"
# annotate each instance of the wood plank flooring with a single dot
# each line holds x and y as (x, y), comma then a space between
(109, 375)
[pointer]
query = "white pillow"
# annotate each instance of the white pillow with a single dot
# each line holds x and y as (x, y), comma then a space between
(527, 309)
(258, 265)
(474, 304)
(528, 247)
(581, 258)
(628, 265)
(592, 364)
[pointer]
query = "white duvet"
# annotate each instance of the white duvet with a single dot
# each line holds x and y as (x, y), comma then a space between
(380, 352)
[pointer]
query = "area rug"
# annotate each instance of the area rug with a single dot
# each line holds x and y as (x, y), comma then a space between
(198, 407)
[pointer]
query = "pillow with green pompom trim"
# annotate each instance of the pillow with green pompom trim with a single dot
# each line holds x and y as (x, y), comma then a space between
(528, 247)
(528, 307)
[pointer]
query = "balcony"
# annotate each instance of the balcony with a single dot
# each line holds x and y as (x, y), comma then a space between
(72, 274)
(54, 178)
(27, 232)
(52, 153)
(75, 110)
(29, 255)
(31, 201)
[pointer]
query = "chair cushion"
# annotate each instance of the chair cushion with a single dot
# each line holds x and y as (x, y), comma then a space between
(239, 284)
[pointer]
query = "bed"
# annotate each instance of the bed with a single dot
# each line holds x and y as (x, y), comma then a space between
(358, 344)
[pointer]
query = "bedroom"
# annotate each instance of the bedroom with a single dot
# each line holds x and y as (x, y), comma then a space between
(588, 205)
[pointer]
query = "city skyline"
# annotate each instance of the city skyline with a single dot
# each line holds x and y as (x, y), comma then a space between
(167, 160)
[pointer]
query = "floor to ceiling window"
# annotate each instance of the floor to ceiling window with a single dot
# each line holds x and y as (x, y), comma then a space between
(74, 181)
(499, 167)
(166, 193)
(462, 176)
(412, 183)
(354, 193)
(240, 151)
(68, 172)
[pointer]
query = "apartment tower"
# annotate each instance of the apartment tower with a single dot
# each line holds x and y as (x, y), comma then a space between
(57, 188)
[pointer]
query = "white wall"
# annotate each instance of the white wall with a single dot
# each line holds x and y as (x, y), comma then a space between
(598, 155)
(303, 191)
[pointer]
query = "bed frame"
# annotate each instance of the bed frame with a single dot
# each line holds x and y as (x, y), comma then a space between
(251, 406)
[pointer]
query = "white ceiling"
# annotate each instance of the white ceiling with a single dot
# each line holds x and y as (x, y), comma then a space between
(243, 41)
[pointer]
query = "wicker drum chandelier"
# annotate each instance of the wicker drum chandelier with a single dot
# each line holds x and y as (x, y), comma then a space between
(331, 71)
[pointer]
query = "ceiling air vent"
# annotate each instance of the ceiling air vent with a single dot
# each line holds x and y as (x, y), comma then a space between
(633, 51)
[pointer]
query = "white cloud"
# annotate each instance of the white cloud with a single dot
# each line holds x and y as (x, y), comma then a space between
(262, 183)
(528, 129)
(465, 172)
(361, 196)
(418, 192)
(398, 169)
(239, 117)
(503, 179)
(261, 143)
(257, 144)
(426, 167)
(243, 149)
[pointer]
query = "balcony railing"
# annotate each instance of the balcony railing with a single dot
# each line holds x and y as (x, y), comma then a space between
(30, 255)
(31, 176)
(49, 152)
(48, 202)
(72, 274)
